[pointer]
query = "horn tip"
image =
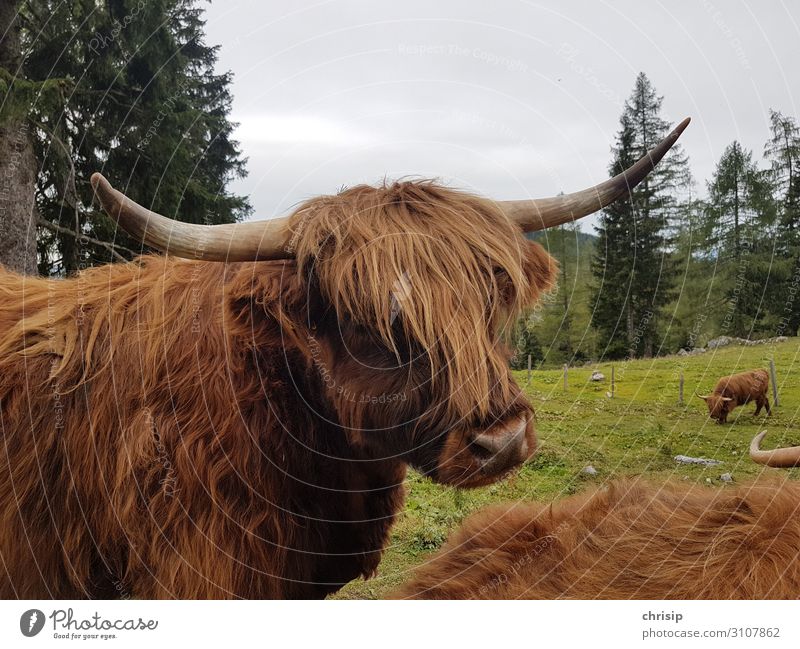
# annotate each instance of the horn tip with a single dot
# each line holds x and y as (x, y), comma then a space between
(755, 444)
(680, 128)
(98, 181)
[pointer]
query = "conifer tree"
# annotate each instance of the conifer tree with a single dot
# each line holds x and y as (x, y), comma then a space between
(633, 267)
(783, 150)
(741, 217)
(142, 103)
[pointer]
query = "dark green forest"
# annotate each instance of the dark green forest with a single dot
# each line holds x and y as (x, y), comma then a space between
(126, 87)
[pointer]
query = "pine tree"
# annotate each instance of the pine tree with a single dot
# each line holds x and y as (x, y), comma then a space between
(143, 105)
(633, 267)
(783, 150)
(740, 221)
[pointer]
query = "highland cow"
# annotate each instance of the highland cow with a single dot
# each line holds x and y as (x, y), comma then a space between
(629, 540)
(195, 429)
(736, 390)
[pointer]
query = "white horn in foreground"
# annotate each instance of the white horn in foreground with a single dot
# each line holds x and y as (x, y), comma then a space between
(783, 458)
(540, 213)
(249, 241)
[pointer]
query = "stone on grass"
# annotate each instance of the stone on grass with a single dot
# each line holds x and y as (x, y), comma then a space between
(685, 459)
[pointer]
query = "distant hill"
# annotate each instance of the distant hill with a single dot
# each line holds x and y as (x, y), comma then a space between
(583, 238)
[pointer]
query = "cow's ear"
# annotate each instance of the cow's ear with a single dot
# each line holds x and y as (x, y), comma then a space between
(540, 267)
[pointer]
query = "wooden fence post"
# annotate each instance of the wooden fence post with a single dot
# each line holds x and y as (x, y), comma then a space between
(612, 382)
(565, 377)
(680, 389)
(529, 369)
(774, 381)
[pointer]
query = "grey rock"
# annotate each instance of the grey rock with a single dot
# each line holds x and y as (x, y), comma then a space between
(685, 459)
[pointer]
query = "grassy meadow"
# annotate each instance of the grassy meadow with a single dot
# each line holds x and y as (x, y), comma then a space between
(637, 432)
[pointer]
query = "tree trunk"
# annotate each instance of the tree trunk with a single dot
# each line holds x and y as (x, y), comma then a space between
(18, 165)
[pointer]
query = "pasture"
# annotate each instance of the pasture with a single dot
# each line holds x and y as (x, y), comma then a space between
(638, 432)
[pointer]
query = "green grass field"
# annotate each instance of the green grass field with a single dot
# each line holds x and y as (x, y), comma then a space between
(638, 432)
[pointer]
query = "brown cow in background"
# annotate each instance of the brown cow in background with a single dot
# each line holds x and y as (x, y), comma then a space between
(629, 540)
(736, 390)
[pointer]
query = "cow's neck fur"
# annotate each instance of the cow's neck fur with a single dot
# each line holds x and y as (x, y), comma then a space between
(165, 436)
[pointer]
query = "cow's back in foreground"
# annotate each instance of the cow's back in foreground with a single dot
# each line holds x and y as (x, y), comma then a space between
(630, 540)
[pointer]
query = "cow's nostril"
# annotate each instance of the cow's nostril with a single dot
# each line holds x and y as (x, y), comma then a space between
(501, 448)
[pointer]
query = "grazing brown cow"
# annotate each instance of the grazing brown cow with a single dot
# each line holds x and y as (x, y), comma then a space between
(184, 428)
(736, 390)
(629, 540)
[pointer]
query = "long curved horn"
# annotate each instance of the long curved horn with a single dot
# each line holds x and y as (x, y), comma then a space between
(701, 396)
(780, 457)
(541, 213)
(271, 239)
(230, 242)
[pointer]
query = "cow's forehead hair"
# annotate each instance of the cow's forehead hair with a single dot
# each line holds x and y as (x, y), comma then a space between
(453, 262)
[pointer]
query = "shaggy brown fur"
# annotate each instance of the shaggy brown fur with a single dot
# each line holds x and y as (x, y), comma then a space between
(626, 541)
(196, 430)
(736, 390)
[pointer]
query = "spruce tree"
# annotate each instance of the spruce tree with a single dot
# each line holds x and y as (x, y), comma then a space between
(141, 103)
(740, 221)
(783, 150)
(633, 267)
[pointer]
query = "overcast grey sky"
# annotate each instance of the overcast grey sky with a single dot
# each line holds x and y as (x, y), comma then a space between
(506, 98)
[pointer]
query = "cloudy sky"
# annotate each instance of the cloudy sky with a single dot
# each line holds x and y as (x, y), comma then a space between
(508, 98)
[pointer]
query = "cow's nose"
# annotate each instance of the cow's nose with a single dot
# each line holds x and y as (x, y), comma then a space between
(503, 447)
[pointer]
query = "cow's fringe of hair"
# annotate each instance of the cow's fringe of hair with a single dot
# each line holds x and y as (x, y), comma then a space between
(631, 540)
(444, 277)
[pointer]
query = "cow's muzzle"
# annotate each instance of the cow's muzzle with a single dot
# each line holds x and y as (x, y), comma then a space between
(502, 449)
(482, 457)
